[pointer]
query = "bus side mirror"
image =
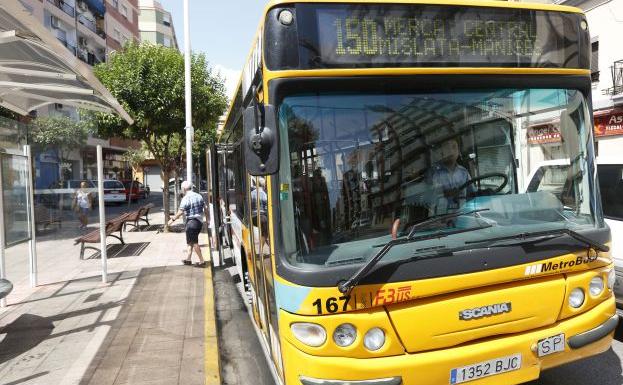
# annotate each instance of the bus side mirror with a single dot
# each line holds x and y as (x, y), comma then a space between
(262, 142)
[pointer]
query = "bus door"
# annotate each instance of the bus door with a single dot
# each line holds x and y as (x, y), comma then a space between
(212, 177)
(262, 266)
(222, 201)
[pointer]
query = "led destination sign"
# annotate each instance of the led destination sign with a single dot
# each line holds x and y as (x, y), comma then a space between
(392, 38)
(349, 35)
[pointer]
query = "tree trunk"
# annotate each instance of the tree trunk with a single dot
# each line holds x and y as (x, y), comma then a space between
(165, 198)
(176, 190)
(131, 187)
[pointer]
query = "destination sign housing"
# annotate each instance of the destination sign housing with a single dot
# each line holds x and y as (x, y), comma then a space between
(400, 35)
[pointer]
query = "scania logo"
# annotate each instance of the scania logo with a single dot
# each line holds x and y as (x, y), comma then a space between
(485, 311)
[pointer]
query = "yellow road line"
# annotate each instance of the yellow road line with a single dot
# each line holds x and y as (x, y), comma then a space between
(212, 364)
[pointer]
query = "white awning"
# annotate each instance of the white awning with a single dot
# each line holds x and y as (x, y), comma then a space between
(36, 69)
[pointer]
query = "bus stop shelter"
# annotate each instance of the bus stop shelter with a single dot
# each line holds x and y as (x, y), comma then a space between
(36, 69)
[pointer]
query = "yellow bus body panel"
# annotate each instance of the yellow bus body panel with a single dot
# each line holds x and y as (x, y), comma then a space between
(375, 295)
(433, 367)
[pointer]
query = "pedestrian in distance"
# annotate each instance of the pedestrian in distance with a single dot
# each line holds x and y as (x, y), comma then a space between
(192, 207)
(82, 204)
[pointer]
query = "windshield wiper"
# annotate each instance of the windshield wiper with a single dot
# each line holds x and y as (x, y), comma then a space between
(439, 218)
(525, 236)
(347, 285)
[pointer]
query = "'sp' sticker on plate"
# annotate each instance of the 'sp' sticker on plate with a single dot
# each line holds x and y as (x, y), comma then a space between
(485, 369)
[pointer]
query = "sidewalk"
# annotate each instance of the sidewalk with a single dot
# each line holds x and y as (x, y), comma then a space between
(148, 325)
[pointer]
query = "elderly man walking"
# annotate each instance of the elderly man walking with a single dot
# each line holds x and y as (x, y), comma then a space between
(192, 207)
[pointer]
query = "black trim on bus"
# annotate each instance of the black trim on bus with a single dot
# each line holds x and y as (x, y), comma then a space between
(463, 262)
(297, 45)
(594, 335)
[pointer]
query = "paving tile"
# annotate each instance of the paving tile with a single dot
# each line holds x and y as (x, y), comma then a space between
(192, 372)
(164, 358)
(104, 376)
(134, 374)
(155, 347)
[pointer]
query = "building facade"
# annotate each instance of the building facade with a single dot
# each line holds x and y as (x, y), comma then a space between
(121, 23)
(156, 24)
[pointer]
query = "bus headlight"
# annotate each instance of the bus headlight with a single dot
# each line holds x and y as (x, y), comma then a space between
(596, 286)
(344, 335)
(612, 278)
(374, 339)
(308, 333)
(576, 298)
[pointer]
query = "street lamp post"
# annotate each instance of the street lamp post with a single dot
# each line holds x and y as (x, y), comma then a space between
(189, 122)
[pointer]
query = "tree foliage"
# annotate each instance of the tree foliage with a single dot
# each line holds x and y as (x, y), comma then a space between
(135, 156)
(148, 81)
(60, 133)
(6, 113)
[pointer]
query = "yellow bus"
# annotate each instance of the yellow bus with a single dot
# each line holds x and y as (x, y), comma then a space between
(373, 178)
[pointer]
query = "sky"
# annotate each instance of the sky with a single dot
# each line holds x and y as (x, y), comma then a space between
(221, 29)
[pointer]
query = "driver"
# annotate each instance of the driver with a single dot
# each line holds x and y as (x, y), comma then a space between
(449, 178)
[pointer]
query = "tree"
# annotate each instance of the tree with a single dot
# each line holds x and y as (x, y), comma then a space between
(6, 113)
(148, 81)
(60, 133)
(135, 157)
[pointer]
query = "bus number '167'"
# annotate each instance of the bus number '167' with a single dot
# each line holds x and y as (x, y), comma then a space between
(331, 304)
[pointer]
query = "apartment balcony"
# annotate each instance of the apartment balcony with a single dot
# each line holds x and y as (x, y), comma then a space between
(60, 4)
(92, 26)
(70, 47)
(617, 79)
(88, 57)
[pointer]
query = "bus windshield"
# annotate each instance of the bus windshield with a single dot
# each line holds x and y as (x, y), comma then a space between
(361, 169)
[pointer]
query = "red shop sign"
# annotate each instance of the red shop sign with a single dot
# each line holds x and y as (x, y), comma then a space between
(609, 124)
(544, 133)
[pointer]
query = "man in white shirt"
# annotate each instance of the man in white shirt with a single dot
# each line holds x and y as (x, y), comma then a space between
(192, 207)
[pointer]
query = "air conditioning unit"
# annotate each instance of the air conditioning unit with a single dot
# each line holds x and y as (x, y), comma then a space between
(54, 22)
(82, 41)
(82, 5)
(58, 106)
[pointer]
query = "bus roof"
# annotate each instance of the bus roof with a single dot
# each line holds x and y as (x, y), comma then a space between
(470, 3)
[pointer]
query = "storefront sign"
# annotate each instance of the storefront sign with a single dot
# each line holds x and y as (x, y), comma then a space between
(544, 133)
(609, 124)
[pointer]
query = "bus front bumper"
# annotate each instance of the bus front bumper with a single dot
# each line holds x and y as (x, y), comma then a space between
(587, 334)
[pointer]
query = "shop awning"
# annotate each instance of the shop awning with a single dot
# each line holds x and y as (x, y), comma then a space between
(36, 69)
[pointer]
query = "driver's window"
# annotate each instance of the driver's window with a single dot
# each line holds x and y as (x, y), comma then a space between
(492, 154)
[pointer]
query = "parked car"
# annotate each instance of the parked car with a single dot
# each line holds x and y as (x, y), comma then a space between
(134, 190)
(114, 191)
(551, 175)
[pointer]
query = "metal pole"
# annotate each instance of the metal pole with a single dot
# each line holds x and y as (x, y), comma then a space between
(32, 244)
(189, 120)
(209, 220)
(2, 240)
(102, 209)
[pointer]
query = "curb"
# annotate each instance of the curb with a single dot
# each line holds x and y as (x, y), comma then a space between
(212, 360)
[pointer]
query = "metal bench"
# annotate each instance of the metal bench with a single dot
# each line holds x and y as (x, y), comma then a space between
(112, 226)
(142, 214)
